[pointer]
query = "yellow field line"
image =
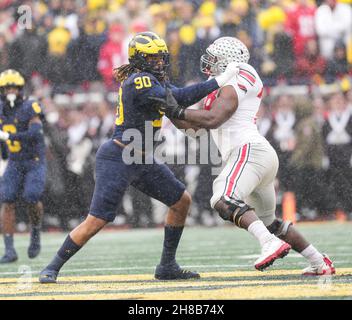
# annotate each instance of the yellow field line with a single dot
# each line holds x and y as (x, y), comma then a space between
(14, 289)
(135, 277)
(257, 292)
(243, 289)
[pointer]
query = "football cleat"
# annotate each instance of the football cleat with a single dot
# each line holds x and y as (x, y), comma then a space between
(174, 272)
(325, 268)
(271, 250)
(9, 256)
(48, 276)
(34, 248)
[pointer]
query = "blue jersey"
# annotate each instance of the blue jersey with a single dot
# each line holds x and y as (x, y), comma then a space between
(136, 111)
(16, 120)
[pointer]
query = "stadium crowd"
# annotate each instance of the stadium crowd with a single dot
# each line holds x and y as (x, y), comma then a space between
(302, 50)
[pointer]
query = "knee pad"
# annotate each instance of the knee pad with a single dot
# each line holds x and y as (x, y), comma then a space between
(279, 227)
(232, 209)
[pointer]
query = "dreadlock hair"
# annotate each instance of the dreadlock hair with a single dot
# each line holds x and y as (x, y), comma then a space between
(123, 72)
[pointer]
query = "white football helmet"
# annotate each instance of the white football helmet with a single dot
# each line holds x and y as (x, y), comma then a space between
(220, 53)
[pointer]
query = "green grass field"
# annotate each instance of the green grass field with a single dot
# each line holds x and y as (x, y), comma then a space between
(119, 264)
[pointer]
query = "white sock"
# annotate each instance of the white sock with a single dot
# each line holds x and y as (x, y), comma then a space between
(259, 231)
(312, 255)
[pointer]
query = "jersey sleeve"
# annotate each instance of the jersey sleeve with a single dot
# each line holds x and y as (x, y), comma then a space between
(33, 109)
(247, 83)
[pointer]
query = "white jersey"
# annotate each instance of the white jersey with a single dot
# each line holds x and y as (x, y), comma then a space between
(241, 128)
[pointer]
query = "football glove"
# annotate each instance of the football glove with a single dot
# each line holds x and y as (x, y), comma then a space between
(4, 135)
(231, 71)
(169, 105)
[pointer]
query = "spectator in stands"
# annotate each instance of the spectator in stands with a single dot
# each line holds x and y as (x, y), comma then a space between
(337, 133)
(56, 66)
(28, 53)
(112, 54)
(283, 56)
(82, 57)
(310, 65)
(284, 139)
(307, 160)
(300, 25)
(264, 121)
(333, 22)
(236, 17)
(4, 52)
(337, 66)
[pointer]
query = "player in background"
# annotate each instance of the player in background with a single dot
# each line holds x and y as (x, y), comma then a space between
(145, 75)
(244, 191)
(21, 132)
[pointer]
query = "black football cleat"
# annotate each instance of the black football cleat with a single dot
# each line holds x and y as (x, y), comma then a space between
(48, 276)
(9, 256)
(174, 272)
(33, 249)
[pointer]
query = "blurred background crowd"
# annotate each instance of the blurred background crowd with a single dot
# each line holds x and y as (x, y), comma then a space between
(302, 49)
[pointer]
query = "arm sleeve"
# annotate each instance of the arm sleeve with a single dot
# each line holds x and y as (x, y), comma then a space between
(186, 96)
(189, 95)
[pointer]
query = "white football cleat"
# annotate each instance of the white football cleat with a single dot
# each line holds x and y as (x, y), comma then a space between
(271, 250)
(325, 268)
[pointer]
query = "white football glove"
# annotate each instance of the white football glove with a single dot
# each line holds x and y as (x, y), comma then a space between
(230, 72)
(4, 135)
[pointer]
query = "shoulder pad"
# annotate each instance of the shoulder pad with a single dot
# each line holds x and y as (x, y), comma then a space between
(33, 105)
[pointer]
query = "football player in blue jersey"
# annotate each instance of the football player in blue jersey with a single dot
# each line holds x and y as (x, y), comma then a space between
(21, 132)
(144, 76)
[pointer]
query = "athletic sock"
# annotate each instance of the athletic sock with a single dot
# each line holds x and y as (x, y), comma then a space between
(67, 250)
(312, 255)
(8, 240)
(259, 231)
(172, 236)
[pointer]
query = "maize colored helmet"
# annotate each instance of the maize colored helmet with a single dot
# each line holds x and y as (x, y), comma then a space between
(148, 52)
(11, 78)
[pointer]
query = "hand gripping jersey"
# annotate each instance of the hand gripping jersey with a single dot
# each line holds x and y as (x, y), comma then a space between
(241, 128)
(136, 111)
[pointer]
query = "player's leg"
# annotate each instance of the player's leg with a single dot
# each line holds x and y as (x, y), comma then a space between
(34, 183)
(320, 264)
(8, 223)
(112, 179)
(236, 182)
(264, 202)
(10, 186)
(160, 183)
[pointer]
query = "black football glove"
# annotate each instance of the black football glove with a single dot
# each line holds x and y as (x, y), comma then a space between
(170, 106)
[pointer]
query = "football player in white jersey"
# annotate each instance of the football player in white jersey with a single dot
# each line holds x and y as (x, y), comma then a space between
(244, 191)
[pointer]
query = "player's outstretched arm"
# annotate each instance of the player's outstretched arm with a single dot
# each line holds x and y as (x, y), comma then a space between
(223, 107)
(188, 96)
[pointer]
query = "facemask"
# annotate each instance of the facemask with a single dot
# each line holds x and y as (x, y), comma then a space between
(11, 98)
